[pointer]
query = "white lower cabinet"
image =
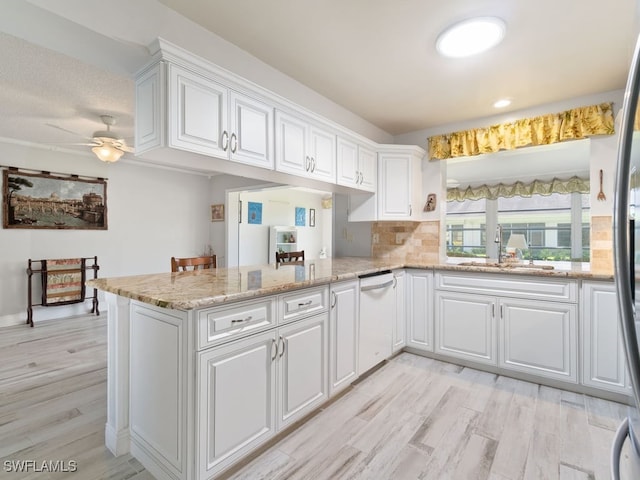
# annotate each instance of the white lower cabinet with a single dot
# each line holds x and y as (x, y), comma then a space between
(539, 337)
(603, 358)
(419, 309)
(466, 326)
(302, 368)
(236, 400)
(343, 335)
(399, 322)
(251, 388)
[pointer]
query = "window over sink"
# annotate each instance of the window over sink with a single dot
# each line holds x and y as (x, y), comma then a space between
(556, 227)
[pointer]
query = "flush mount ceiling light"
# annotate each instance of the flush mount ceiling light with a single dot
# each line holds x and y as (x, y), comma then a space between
(504, 102)
(471, 36)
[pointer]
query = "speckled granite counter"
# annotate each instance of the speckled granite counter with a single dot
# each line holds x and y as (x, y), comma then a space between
(577, 270)
(188, 290)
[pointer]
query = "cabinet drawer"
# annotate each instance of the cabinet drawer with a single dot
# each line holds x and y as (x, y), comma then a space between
(302, 303)
(220, 324)
(535, 288)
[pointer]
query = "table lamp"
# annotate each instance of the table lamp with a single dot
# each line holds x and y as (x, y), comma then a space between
(518, 243)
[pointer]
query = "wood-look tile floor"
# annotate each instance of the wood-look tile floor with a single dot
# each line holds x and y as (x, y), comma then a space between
(414, 418)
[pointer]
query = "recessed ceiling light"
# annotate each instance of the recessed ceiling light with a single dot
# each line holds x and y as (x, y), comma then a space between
(504, 102)
(471, 36)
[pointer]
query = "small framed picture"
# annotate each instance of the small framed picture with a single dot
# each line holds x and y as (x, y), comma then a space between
(217, 212)
(312, 217)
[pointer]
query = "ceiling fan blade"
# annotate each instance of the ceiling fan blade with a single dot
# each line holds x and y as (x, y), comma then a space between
(65, 130)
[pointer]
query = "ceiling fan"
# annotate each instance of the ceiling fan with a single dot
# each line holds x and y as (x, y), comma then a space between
(106, 144)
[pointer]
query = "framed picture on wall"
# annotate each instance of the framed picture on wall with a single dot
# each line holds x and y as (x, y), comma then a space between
(255, 213)
(44, 200)
(217, 212)
(301, 221)
(312, 217)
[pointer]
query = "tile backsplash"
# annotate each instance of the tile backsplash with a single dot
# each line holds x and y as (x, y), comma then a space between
(406, 241)
(419, 241)
(602, 245)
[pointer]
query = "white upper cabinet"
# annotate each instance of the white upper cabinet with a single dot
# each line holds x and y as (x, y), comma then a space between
(252, 136)
(304, 149)
(400, 185)
(198, 113)
(207, 117)
(193, 115)
(357, 165)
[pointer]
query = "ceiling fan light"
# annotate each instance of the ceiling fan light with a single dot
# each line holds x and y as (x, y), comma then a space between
(470, 37)
(107, 153)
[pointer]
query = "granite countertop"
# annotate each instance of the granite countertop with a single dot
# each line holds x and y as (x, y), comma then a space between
(189, 290)
(200, 288)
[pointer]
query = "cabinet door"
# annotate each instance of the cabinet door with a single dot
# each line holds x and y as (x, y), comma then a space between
(539, 337)
(466, 326)
(603, 360)
(368, 166)
(420, 310)
(236, 400)
(399, 335)
(198, 113)
(291, 144)
(251, 140)
(322, 154)
(347, 163)
(343, 335)
(302, 370)
(394, 195)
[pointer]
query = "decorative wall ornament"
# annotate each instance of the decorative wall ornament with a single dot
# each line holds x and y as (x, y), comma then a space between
(430, 206)
(537, 187)
(47, 201)
(572, 124)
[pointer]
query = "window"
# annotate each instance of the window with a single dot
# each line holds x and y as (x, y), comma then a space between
(556, 227)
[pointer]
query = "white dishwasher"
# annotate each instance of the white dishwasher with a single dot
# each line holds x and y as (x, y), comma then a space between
(377, 310)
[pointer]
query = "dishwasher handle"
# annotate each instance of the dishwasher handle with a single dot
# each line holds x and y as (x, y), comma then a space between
(366, 288)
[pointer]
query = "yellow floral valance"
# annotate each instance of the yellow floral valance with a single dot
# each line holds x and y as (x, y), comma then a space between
(537, 187)
(572, 124)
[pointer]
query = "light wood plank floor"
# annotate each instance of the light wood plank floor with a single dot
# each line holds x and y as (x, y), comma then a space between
(415, 418)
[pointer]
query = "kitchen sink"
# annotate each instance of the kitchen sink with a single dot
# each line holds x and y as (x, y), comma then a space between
(506, 266)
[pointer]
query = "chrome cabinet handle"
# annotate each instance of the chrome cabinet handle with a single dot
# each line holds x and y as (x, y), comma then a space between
(305, 304)
(225, 140)
(242, 320)
(361, 175)
(493, 310)
(410, 210)
(234, 143)
(307, 163)
(274, 354)
(334, 299)
(283, 346)
(313, 162)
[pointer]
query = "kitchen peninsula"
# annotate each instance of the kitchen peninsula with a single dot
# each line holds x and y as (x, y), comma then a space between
(206, 366)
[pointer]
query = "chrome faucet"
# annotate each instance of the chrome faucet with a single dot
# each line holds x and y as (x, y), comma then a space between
(498, 240)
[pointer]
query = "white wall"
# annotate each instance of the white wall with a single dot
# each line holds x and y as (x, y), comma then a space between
(153, 214)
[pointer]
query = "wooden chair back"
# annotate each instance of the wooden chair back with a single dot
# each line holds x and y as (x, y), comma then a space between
(290, 257)
(192, 263)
